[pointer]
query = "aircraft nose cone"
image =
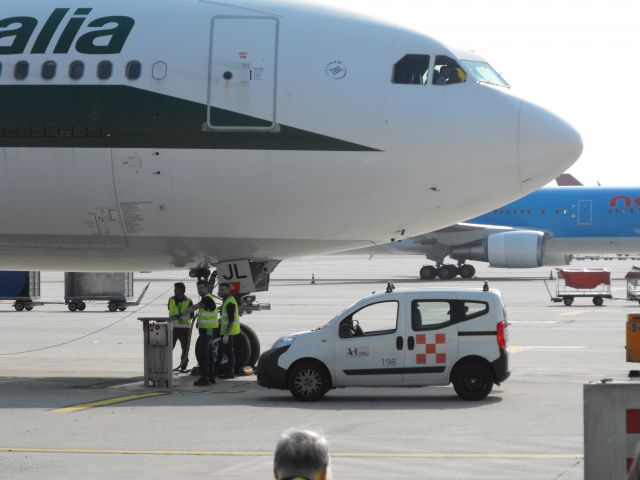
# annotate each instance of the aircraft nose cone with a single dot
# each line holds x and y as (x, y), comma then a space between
(548, 145)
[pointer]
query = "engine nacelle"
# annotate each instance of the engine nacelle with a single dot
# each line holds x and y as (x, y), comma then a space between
(517, 249)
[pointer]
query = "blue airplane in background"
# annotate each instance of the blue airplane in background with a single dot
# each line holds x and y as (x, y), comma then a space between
(542, 229)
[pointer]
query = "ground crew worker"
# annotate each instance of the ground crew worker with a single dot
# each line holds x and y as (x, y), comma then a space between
(229, 328)
(178, 306)
(301, 455)
(208, 328)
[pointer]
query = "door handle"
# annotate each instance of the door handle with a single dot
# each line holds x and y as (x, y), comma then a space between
(411, 343)
(399, 343)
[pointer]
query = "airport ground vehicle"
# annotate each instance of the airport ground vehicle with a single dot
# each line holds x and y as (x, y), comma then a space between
(594, 283)
(398, 338)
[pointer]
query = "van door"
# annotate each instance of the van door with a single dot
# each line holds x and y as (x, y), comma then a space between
(243, 74)
(369, 348)
(432, 339)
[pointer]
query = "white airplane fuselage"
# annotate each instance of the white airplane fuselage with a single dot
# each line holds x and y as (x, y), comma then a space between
(256, 130)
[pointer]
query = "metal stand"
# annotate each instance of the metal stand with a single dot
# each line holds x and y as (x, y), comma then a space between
(158, 352)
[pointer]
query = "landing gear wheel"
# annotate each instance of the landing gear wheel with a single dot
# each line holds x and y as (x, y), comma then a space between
(82, 306)
(73, 306)
(467, 271)
(241, 350)
(568, 301)
(122, 307)
(598, 301)
(447, 272)
(472, 381)
(113, 306)
(428, 272)
(255, 344)
(19, 306)
(308, 381)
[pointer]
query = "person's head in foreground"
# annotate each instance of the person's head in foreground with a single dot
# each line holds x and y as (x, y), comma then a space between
(301, 455)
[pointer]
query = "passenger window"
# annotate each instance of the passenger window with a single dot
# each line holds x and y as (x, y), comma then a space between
(134, 69)
(76, 70)
(377, 319)
(22, 70)
(48, 70)
(411, 70)
(475, 309)
(428, 314)
(447, 71)
(105, 69)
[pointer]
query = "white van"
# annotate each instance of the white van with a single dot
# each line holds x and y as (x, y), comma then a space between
(398, 338)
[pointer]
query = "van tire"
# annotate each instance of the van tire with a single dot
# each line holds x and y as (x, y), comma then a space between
(308, 381)
(472, 381)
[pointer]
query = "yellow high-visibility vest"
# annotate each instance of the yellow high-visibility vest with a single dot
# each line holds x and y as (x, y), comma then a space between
(178, 309)
(224, 320)
(208, 319)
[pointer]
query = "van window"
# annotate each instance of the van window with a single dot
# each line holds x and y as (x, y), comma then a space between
(446, 71)
(377, 319)
(475, 309)
(428, 314)
(411, 70)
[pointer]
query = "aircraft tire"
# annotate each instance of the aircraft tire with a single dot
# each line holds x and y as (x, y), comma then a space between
(467, 271)
(241, 350)
(447, 272)
(428, 272)
(255, 344)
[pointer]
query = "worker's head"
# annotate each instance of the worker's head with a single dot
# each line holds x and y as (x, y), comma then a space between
(223, 290)
(179, 289)
(203, 287)
(301, 453)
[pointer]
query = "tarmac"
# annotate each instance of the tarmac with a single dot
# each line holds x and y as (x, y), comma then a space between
(73, 405)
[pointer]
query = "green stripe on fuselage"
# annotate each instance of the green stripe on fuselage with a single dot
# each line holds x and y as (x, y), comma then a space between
(103, 116)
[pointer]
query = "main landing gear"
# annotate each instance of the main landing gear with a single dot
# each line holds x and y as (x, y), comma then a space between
(447, 272)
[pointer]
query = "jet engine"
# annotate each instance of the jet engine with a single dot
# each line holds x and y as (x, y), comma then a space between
(514, 249)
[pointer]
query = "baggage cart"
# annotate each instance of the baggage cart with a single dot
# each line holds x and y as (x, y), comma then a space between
(594, 283)
(633, 284)
(114, 288)
(23, 288)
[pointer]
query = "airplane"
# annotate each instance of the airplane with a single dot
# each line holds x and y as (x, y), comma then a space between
(189, 134)
(545, 228)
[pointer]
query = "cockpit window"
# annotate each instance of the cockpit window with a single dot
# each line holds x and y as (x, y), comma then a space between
(447, 71)
(483, 72)
(411, 70)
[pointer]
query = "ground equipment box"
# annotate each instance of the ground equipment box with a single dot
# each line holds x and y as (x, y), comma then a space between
(116, 288)
(158, 352)
(633, 337)
(22, 287)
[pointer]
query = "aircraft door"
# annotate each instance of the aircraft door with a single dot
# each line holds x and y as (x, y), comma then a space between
(243, 74)
(584, 212)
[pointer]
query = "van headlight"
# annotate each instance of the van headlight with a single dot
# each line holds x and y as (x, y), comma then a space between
(284, 342)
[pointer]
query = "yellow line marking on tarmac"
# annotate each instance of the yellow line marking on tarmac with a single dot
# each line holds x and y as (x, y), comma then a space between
(485, 456)
(108, 401)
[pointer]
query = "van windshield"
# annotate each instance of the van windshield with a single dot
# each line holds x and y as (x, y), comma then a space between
(483, 72)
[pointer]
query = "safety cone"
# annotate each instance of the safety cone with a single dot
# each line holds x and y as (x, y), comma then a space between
(550, 274)
(313, 279)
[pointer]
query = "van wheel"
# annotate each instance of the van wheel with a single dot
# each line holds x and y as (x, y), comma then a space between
(472, 381)
(308, 381)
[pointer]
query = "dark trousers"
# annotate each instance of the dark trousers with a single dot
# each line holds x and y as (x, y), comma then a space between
(204, 354)
(184, 335)
(226, 350)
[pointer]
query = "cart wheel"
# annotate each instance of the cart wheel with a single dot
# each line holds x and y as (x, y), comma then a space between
(598, 301)
(122, 307)
(19, 306)
(82, 306)
(73, 306)
(28, 308)
(113, 306)
(568, 301)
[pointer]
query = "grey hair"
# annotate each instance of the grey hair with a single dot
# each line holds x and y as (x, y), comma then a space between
(301, 453)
